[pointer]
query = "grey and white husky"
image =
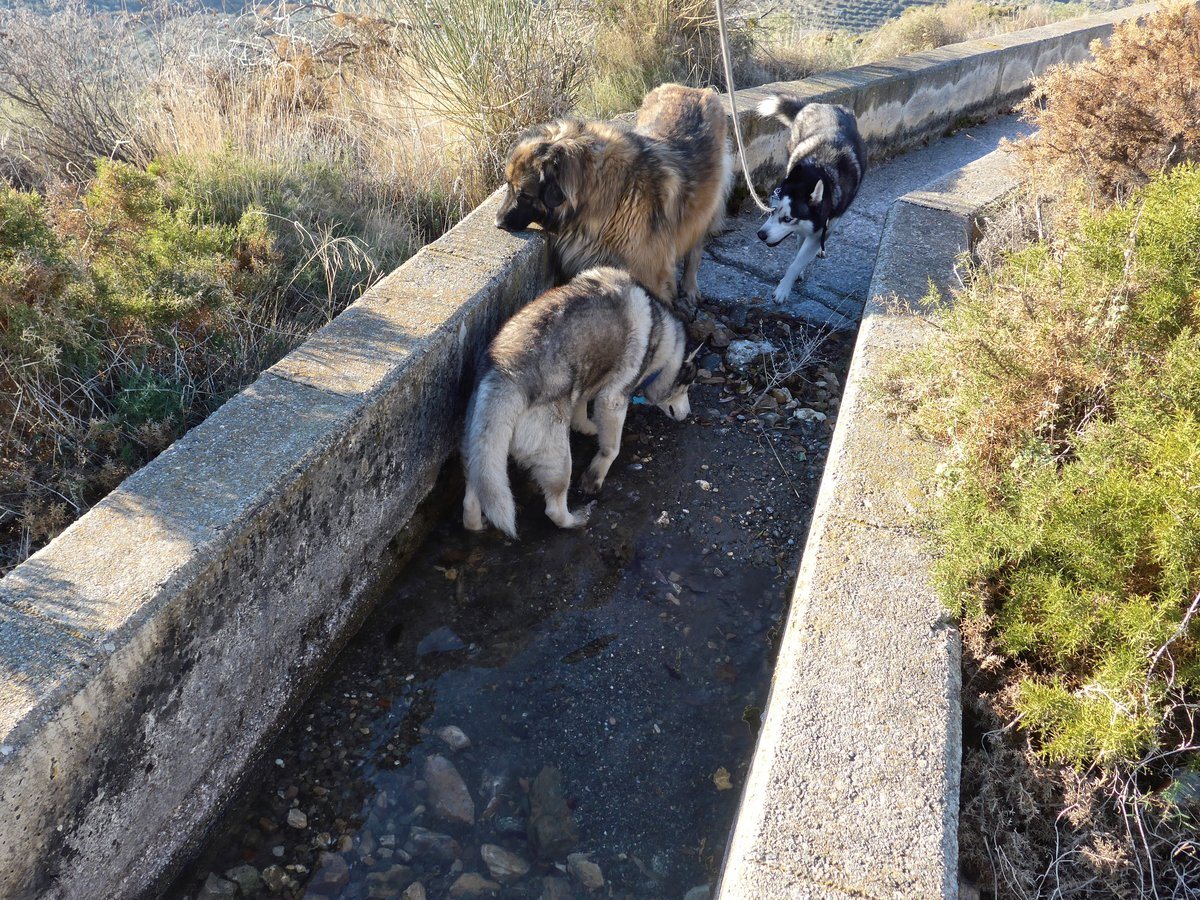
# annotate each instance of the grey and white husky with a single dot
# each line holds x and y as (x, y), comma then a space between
(826, 164)
(601, 337)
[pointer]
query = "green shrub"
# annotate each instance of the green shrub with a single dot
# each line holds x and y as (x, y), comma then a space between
(1066, 384)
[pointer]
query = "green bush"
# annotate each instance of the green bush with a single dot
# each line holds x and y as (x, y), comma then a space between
(1066, 384)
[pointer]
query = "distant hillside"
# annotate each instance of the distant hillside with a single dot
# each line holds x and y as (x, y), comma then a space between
(114, 5)
(848, 15)
(865, 15)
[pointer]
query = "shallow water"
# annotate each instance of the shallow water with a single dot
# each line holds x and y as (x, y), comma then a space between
(632, 658)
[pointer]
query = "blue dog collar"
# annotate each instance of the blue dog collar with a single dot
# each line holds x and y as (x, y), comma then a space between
(649, 380)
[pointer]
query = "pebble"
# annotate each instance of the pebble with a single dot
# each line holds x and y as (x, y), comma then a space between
(415, 891)
(215, 886)
(388, 884)
(741, 353)
(552, 829)
(700, 892)
(274, 878)
(809, 415)
(509, 826)
(702, 327)
(555, 888)
(297, 819)
(423, 842)
(332, 876)
(721, 337)
(247, 878)
(504, 866)
(448, 794)
(585, 871)
(454, 738)
(471, 884)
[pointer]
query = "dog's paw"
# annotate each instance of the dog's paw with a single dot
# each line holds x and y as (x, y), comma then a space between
(591, 482)
(687, 305)
(582, 517)
(781, 294)
(587, 426)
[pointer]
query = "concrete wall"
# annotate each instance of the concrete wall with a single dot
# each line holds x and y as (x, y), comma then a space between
(853, 789)
(905, 101)
(149, 651)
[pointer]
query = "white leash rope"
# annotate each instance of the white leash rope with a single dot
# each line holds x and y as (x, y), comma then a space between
(729, 86)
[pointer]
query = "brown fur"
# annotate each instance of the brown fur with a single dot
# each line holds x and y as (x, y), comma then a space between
(640, 198)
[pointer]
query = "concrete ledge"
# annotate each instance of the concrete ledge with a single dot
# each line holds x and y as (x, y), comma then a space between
(853, 790)
(902, 102)
(149, 651)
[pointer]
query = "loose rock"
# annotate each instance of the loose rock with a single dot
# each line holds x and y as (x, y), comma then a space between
(274, 878)
(555, 888)
(333, 875)
(470, 884)
(423, 842)
(389, 883)
(246, 878)
(504, 866)
(448, 794)
(415, 891)
(552, 828)
(216, 887)
(741, 353)
(454, 738)
(297, 819)
(585, 871)
(721, 337)
(700, 892)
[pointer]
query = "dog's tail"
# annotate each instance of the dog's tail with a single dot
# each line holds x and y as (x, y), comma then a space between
(493, 418)
(781, 107)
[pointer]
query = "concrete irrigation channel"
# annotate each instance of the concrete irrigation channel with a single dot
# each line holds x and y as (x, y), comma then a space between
(610, 683)
(633, 660)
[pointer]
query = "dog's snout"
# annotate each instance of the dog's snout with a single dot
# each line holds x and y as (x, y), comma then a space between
(762, 234)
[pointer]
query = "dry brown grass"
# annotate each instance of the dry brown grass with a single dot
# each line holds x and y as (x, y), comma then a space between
(1118, 120)
(787, 49)
(351, 134)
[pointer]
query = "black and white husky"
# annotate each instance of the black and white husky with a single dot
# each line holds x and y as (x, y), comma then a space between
(826, 163)
(600, 338)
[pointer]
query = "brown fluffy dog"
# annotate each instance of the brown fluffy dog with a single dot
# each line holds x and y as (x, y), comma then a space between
(639, 198)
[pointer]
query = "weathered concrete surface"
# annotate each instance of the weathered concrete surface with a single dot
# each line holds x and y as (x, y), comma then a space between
(148, 651)
(904, 101)
(853, 791)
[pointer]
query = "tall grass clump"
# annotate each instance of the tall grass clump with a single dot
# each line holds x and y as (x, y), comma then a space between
(1117, 121)
(493, 68)
(640, 44)
(1064, 384)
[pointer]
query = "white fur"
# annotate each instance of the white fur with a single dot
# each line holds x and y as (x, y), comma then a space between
(538, 436)
(768, 108)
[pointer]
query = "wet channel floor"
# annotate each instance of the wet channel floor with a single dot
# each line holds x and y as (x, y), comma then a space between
(609, 682)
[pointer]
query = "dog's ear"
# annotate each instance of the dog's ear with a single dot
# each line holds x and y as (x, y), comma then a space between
(818, 193)
(559, 172)
(687, 373)
(552, 192)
